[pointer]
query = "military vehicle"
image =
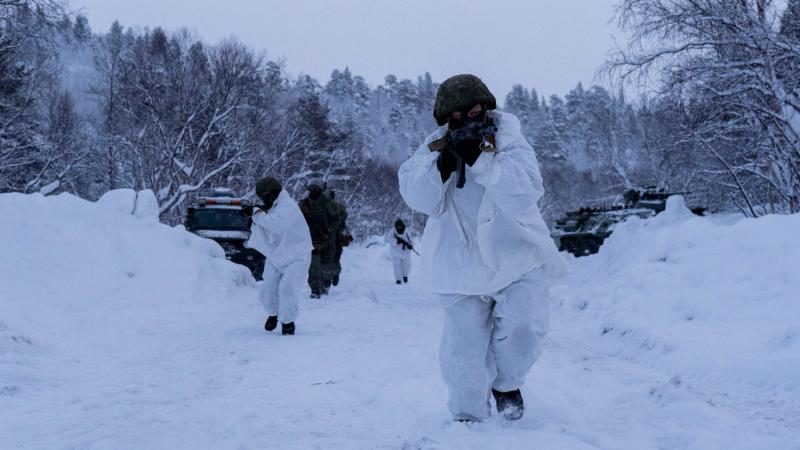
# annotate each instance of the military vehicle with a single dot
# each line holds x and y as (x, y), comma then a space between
(582, 232)
(218, 216)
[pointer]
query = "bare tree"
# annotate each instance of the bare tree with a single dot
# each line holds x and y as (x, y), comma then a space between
(27, 69)
(182, 106)
(727, 54)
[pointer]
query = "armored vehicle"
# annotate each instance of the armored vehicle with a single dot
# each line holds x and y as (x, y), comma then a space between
(219, 216)
(582, 232)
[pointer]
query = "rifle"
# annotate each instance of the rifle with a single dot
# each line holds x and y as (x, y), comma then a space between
(403, 241)
(480, 130)
(250, 210)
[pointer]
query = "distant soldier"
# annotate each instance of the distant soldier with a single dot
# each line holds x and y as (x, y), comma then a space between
(279, 233)
(400, 244)
(316, 211)
(339, 229)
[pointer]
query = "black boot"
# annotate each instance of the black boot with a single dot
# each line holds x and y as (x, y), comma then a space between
(405, 279)
(272, 323)
(287, 328)
(509, 404)
(315, 294)
(399, 282)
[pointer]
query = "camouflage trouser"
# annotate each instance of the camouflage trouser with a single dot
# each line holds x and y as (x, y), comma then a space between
(337, 262)
(315, 272)
(321, 270)
(328, 261)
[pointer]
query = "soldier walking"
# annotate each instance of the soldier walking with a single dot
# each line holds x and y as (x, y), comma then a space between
(400, 246)
(315, 208)
(338, 214)
(488, 251)
(279, 233)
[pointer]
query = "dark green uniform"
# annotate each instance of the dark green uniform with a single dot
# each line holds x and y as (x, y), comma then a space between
(317, 214)
(339, 216)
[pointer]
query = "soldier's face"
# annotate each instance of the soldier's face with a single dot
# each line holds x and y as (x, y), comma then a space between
(458, 118)
(314, 192)
(474, 112)
(269, 198)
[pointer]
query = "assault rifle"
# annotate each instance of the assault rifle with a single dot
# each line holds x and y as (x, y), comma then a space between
(404, 242)
(249, 210)
(480, 131)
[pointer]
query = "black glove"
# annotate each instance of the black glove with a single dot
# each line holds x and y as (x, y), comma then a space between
(465, 142)
(446, 163)
(249, 210)
(469, 152)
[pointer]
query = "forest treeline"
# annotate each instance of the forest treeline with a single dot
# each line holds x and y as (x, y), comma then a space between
(86, 111)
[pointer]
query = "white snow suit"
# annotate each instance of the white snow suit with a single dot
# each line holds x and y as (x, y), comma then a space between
(282, 236)
(488, 254)
(401, 256)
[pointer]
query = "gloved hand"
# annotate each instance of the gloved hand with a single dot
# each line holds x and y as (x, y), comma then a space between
(465, 142)
(247, 210)
(446, 163)
(469, 152)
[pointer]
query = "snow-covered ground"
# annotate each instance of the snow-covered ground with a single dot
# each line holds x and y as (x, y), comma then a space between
(118, 332)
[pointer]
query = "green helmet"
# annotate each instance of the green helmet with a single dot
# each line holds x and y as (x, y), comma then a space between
(459, 92)
(316, 182)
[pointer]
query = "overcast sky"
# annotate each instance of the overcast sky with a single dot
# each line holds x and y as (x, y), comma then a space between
(547, 44)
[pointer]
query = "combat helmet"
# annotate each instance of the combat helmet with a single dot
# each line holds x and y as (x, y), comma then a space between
(317, 182)
(459, 92)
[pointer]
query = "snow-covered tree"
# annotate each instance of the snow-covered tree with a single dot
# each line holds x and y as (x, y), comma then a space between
(730, 57)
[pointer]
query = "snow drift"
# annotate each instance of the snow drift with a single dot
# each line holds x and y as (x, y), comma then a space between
(74, 274)
(117, 331)
(706, 300)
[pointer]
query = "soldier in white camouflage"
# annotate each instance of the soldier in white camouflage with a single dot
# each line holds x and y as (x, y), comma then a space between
(488, 253)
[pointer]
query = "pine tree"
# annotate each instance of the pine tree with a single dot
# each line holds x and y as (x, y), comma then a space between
(81, 29)
(519, 103)
(310, 117)
(790, 21)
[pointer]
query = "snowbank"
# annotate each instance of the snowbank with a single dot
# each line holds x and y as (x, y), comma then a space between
(72, 271)
(709, 301)
(119, 332)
